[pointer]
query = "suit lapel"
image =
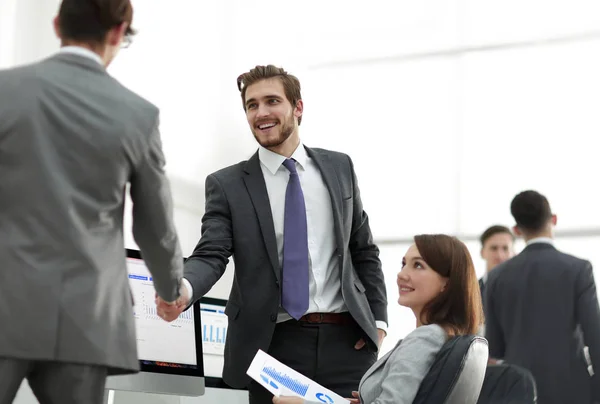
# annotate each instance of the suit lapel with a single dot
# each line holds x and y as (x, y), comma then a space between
(332, 182)
(255, 184)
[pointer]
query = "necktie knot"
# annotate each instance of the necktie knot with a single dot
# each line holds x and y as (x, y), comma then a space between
(290, 164)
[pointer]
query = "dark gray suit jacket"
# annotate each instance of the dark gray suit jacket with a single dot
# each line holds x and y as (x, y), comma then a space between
(541, 307)
(238, 221)
(71, 138)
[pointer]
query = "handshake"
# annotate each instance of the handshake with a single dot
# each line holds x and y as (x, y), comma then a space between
(169, 311)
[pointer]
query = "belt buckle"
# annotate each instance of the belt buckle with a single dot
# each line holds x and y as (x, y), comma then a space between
(315, 318)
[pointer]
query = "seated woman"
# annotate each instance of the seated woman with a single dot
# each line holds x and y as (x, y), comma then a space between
(438, 283)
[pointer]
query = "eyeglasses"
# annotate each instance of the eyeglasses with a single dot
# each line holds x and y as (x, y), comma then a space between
(127, 39)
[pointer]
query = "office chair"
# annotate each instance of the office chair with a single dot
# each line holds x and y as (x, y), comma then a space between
(508, 384)
(457, 373)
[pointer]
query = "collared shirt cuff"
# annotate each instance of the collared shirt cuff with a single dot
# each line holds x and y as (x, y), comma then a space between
(190, 290)
(382, 325)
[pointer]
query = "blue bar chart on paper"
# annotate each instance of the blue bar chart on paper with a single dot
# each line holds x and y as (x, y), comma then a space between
(214, 329)
(286, 381)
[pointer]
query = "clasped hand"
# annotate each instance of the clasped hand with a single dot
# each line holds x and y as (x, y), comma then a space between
(169, 311)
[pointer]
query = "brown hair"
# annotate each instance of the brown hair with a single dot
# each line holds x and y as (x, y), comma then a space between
(90, 20)
(492, 231)
(291, 84)
(458, 307)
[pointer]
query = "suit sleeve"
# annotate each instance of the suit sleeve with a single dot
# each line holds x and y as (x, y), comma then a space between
(588, 316)
(493, 330)
(409, 364)
(365, 255)
(153, 228)
(209, 260)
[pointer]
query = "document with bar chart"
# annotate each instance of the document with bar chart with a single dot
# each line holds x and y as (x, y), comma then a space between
(158, 340)
(282, 380)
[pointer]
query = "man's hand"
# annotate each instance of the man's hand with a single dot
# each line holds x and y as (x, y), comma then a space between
(361, 342)
(169, 311)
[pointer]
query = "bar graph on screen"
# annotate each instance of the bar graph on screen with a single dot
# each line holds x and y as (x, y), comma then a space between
(215, 334)
(151, 330)
(214, 329)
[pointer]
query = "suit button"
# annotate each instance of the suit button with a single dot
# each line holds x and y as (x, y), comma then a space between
(273, 317)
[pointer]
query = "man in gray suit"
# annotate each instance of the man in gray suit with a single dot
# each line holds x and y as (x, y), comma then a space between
(71, 138)
(308, 285)
(542, 308)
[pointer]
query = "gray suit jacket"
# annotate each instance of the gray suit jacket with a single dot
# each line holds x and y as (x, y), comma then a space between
(396, 377)
(238, 221)
(541, 307)
(71, 138)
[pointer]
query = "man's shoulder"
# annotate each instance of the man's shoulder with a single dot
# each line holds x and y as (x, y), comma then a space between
(332, 154)
(18, 75)
(571, 258)
(554, 258)
(53, 71)
(232, 171)
(15, 71)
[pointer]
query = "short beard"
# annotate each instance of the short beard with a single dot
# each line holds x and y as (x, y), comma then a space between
(286, 132)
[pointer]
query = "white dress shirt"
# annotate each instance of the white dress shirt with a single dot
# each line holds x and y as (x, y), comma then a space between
(78, 50)
(541, 240)
(325, 295)
(324, 289)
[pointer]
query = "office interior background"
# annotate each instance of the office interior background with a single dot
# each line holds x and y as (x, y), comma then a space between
(448, 108)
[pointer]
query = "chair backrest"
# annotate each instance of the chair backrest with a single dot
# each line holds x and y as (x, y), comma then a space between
(457, 373)
(508, 383)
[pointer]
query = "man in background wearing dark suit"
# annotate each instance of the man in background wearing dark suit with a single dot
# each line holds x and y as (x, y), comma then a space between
(497, 246)
(308, 286)
(542, 308)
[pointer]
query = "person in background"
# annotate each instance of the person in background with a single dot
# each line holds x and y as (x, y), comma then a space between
(497, 246)
(71, 138)
(438, 283)
(542, 308)
(308, 286)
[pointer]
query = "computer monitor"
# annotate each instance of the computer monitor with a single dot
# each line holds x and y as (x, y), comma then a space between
(170, 353)
(214, 332)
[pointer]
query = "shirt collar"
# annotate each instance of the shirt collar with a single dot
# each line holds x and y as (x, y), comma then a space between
(541, 240)
(78, 50)
(273, 161)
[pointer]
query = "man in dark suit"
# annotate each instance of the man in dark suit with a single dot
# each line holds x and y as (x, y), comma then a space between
(542, 308)
(308, 285)
(497, 246)
(71, 138)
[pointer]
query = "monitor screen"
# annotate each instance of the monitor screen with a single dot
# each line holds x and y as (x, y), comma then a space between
(170, 354)
(214, 332)
(160, 343)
